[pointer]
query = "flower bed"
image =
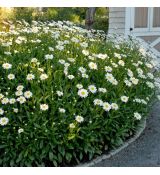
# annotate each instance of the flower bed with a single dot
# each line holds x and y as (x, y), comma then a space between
(67, 95)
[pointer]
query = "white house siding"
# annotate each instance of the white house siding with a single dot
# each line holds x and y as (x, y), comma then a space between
(116, 20)
(121, 20)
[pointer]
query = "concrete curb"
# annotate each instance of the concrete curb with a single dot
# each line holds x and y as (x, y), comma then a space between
(93, 162)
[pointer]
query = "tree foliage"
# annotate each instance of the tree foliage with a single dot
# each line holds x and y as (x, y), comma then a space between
(74, 14)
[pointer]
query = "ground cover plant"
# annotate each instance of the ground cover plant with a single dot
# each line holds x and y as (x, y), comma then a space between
(68, 94)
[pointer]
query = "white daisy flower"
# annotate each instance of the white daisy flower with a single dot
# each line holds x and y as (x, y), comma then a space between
(7, 53)
(5, 101)
(85, 76)
(117, 55)
(34, 60)
(28, 94)
(106, 106)
(30, 77)
(43, 76)
(114, 81)
(135, 64)
(4, 121)
(82, 70)
(114, 65)
(134, 80)
(140, 71)
(20, 88)
(114, 106)
(142, 76)
(121, 63)
(85, 52)
(137, 116)
(98, 102)
(19, 93)
(15, 110)
(21, 99)
(102, 56)
(62, 110)
(59, 47)
(129, 73)
(75, 40)
(59, 93)
(137, 100)
(108, 69)
(41, 69)
(72, 125)
(109, 76)
(44, 107)
(66, 65)
(124, 99)
(143, 101)
(84, 44)
(149, 65)
(12, 100)
(62, 61)
(91, 58)
(51, 48)
(79, 119)
(20, 130)
(70, 77)
(92, 88)
(103, 90)
(7, 66)
(92, 65)
(1, 96)
(11, 76)
(1, 111)
(150, 75)
(48, 57)
(72, 60)
(150, 84)
(140, 62)
(83, 93)
(142, 51)
(128, 83)
(79, 86)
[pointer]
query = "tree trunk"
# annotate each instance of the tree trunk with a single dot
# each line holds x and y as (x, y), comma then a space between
(90, 17)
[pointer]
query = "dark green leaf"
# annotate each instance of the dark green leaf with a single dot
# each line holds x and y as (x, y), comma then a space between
(50, 156)
(81, 156)
(55, 163)
(68, 156)
(3, 146)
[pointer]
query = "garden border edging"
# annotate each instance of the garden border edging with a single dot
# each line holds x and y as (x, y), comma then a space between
(139, 131)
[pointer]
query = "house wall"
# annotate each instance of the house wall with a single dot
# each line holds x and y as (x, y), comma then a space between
(116, 20)
(122, 20)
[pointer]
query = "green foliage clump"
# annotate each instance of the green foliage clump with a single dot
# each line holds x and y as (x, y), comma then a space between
(101, 19)
(23, 13)
(67, 95)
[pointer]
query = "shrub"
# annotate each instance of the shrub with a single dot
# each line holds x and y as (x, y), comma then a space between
(101, 19)
(67, 95)
(101, 24)
(24, 13)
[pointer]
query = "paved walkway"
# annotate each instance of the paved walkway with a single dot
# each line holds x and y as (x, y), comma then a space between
(145, 151)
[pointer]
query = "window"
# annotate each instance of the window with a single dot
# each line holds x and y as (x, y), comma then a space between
(141, 17)
(156, 17)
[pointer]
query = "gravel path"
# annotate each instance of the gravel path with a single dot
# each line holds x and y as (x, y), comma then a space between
(145, 151)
